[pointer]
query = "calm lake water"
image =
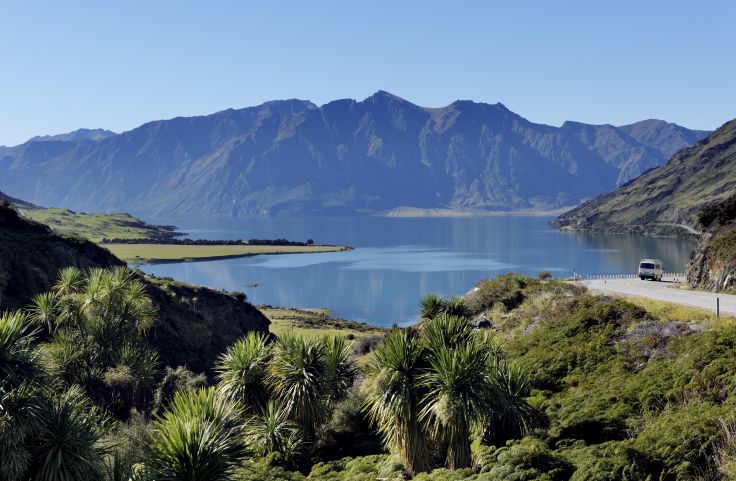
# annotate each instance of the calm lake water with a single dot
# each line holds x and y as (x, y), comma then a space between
(396, 261)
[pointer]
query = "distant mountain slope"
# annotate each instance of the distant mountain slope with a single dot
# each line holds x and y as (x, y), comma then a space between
(346, 157)
(666, 137)
(16, 202)
(667, 196)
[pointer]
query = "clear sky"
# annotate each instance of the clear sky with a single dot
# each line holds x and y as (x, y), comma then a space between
(115, 65)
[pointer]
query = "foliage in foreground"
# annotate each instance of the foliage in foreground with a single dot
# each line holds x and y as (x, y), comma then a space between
(563, 386)
(197, 438)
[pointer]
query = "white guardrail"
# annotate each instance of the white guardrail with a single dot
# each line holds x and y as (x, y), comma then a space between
(677, 276)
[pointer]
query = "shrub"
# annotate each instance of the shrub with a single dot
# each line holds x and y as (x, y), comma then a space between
(347, 431)
(719, 213)
(197, 438)
(127, 453)
(507, 289)
(176, 380)
(527, 460)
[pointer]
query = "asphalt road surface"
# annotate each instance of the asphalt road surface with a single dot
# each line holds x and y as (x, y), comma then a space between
(663, 291)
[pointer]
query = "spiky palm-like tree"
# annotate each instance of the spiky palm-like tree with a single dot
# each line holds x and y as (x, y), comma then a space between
(242, 371)
(393, 398)
(456, 306)
(271, 432)
(513, 417)
(44, 310)
(430, 306)
(458, 397)
(20, 374)
(445, 331)
(70, 281)
(18, 358)
(196, 439)
(67, 444)
(340, 368)
(298, 379)
(98, 320)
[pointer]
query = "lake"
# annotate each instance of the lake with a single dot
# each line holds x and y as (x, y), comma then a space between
(397, 261)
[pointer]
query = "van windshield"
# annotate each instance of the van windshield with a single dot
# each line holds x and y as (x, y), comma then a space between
(646, 265)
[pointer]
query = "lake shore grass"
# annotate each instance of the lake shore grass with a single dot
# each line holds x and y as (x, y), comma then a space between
(165, 253)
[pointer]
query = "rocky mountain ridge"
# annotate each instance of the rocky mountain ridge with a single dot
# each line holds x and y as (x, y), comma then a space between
(346, 157)
(666, 198)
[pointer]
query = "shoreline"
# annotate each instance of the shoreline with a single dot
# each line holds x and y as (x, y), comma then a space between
(166, 253)
(416, 212)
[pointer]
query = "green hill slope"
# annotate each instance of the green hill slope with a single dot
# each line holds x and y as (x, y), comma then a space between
(194, 324)
(665, 199)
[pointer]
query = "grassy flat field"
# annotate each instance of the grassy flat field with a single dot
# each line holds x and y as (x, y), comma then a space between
(314, 322)
(97, 226)
(152, 253)
(318, 323)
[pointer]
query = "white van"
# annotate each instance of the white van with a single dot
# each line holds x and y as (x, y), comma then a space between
(651, 269)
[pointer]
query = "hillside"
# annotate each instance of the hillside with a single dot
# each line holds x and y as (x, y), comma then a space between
(345, 157)
(193, 324)
(667, 197)
(95, 226)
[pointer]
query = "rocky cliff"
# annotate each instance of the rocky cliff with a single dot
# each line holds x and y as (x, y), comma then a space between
(713, 263)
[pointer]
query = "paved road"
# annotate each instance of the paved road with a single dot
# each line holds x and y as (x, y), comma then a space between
(664, 291)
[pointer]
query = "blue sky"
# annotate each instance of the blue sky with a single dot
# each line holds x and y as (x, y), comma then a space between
(115, 65)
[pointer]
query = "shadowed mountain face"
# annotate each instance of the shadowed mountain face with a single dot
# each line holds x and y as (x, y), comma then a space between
(343, 158)
(668, 196)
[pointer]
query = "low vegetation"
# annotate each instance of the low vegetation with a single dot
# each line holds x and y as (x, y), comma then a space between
(315, 322)
(524, 379)
(98, 226)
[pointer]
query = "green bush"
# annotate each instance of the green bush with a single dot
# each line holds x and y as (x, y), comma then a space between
(527, 460)
(175, 380)
(507, 289)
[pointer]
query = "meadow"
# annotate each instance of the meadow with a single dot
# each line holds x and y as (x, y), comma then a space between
(154, 253)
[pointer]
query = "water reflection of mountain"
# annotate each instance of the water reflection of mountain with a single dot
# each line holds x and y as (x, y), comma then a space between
(399, 260)
(626, 250)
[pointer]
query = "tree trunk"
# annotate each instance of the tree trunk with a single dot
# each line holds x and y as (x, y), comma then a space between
(458, 449)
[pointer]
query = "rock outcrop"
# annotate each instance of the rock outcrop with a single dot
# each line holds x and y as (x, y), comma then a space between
(713, 263)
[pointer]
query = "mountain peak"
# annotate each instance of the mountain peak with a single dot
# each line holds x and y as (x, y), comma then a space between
(79, 134)
(383, 95)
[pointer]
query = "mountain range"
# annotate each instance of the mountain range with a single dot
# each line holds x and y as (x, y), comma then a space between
(668, 196)
(346, 157)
